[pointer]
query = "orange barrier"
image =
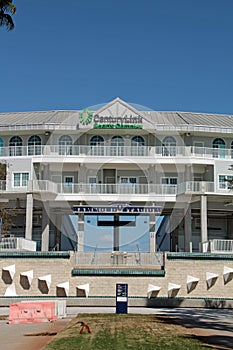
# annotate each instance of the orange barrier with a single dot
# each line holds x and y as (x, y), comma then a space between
(32, 312)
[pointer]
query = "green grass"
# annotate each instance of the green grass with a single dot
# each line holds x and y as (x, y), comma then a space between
(118, 332)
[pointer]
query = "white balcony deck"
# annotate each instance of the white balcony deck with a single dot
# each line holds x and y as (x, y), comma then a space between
(74, 151)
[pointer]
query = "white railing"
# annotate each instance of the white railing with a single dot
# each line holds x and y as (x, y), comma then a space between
(223, 246)
(117, 188)
(42, 186)
(17, 243)
(84, 188)
(121, 259)
(116, 151)
(195, 187)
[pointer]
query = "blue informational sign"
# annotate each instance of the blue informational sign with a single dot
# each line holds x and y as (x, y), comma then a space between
(121, 298)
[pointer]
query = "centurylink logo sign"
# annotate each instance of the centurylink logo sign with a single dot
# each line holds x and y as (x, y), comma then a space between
(85, 117)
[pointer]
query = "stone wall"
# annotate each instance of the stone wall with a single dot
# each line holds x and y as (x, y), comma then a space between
(102, 283)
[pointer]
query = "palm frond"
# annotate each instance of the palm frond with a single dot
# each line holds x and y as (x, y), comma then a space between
(6, 21)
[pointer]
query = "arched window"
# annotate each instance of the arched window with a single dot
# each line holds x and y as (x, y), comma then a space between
(34, 145)
(97, 141)
(65, 145)
(97, 145)
(137, 146)
(117, 146)
(1, 147)
(169, 146)
(15, 146)
(231, 149)
(219, 148)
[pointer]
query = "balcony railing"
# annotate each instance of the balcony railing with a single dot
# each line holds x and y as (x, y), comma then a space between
(195, 187)
(17, 243)
(116, 151)
(223, 246)
(121, 259)
(117, 188)
(84, 188)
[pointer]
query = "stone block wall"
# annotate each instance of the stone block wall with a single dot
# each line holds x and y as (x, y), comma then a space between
(177, 268)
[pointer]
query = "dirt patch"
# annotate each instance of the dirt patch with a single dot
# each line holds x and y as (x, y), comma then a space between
(43, 334)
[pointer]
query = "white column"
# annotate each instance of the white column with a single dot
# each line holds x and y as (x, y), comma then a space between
(80, 232)
(204, 233)
(58, 230)
(45, 228)
(187, 229)
(116, 241)
(152, 234)
(29, 216)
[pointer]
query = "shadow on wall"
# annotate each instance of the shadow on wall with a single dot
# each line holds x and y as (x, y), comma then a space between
(43, 287)
(24, 282)
(6, 277)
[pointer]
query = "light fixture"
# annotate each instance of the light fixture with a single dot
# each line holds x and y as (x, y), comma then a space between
(47, 133)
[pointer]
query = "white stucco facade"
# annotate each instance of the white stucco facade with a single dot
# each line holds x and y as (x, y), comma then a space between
(179, 162)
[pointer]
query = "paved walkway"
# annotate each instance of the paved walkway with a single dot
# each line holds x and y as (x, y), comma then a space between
(212, 326)
(23, 336)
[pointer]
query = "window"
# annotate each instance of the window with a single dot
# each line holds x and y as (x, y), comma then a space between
(1, 147)
(15, 146)
(34, 145)
(223, 184)
(65, 145)
(69, 180)
(21, 179)
(232, 149)
(218, 148)
(117, 146)
(92, 184)
(128, 180)
(68, 184)
(137, 146)
(97, 141)
(97, 146)
(92, 180)
(169, 181)
(169, 147)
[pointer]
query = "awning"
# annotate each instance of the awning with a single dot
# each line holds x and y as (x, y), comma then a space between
(10, 269)
(191, 282)
(173, 289)
(227, 274)
(152, 290)
(28, 275)
(85, 288)
(65, 286)
(211, 278)
(46, 279)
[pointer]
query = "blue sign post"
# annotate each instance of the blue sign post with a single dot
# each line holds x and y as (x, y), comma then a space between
(121, 298)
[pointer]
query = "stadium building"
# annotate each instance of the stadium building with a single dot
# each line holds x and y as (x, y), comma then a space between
(138, 179)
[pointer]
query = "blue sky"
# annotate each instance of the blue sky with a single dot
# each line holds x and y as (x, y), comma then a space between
(163, 54)
(130, 238)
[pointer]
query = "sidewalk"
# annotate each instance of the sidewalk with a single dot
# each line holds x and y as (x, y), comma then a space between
(22, 336)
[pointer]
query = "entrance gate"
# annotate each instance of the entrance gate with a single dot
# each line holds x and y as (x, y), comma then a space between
(116, 211)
